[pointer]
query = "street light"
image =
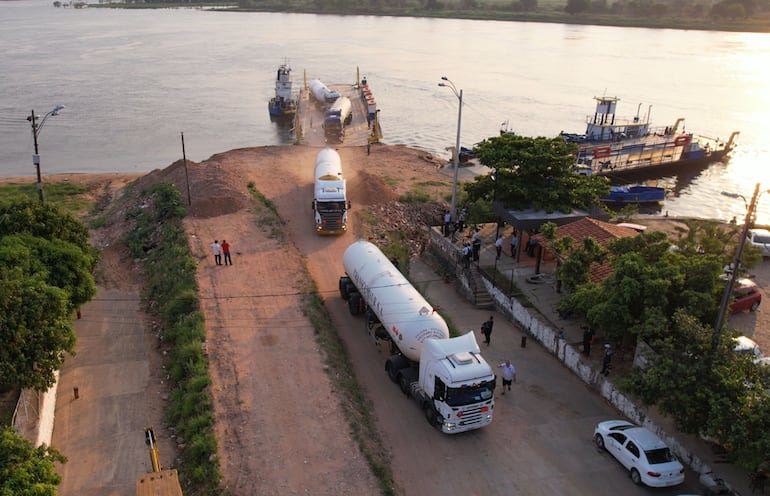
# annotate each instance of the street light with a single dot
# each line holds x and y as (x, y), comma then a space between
(459, 94)
(728, 291)
(36, 128)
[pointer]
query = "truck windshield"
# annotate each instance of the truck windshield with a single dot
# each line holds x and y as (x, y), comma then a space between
(467, 395)
(332, 206)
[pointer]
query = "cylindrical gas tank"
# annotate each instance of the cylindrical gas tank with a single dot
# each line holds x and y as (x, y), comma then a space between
(328, 165)
(402, 310)
(318, 90)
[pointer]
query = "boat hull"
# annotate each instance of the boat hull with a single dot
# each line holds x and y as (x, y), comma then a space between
(632, 195)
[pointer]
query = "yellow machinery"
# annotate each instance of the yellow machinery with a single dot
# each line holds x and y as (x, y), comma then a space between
(159, 482)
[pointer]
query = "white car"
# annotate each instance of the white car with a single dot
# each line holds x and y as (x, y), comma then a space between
(760, 238)
(646, 457)
(744, 344)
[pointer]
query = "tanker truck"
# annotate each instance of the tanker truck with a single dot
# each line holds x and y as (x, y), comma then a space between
(330, 204)
(447, 377)
(322, 95)
(336, 118)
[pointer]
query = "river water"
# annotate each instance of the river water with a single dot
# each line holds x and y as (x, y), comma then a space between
(133, 80)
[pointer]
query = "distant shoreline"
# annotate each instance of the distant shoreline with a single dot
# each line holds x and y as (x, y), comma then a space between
(546, 16)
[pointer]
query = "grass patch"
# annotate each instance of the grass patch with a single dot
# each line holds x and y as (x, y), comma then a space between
(415, 197)
(266, 213)
(64, 194)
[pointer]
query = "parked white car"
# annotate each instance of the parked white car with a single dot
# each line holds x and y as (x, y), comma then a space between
(744, 344)
(760, 238)
(645, 456)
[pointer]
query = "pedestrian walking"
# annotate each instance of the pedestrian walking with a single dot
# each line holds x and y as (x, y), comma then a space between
(226, 252)
(606, 361)
(499, 246)
(447, 222)
(461, 219)
(486, 329)
(467, 254)
(476, 242)
(509, 374)
(514, 244)
(217, 249)
(588, 338)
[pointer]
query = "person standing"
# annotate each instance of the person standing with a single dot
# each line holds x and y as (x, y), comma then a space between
(514, 244)
(499, 246)
(226, 252)
(509, 374)
(486, 329)
(476, 242)
(588, 338)
(217, 249)
(606, 361)
(467, 254)
(447, 222)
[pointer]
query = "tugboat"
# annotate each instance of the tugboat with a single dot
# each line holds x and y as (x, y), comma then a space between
(283, 105)
(614, 146)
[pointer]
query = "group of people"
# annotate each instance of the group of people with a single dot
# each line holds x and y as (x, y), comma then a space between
(221, 249)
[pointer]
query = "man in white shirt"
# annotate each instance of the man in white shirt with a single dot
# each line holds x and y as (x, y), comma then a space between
(509, 374)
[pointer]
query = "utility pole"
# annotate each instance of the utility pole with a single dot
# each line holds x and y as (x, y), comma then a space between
(728, 291)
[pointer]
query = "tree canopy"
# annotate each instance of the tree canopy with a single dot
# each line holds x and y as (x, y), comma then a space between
(46, 273)
(536, 173)
(26, 470)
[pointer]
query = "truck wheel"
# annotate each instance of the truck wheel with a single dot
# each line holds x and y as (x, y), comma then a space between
(354, 303)
(430, 414)
(392, 372)
(403, 383)
(345, 287)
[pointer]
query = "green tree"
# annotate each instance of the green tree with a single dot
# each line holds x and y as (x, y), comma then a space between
(533, 173)
(46, 272)
(26, 470)
(577, 6)
(649, 283)
(35, 329)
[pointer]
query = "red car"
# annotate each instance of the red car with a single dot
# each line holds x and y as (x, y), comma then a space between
(746, 296)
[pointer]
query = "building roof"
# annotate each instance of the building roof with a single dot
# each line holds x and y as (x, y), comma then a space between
(602, 232)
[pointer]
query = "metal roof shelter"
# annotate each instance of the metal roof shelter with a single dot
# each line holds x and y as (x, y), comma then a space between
(526, 220)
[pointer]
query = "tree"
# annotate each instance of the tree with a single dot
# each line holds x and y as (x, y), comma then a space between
(35, 329)
(535, 173)
(648, 285)
(26, 470)
(46, 272)
(576, 6)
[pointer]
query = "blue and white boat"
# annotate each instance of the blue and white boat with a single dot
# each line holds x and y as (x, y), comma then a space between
(284, 104)
(632, 195)
(613, 146)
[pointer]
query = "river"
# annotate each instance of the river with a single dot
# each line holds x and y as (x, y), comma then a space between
(133, 80)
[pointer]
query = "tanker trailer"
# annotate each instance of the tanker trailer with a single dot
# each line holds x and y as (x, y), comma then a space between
(322, 95)
(447, 377)
(336, 118)
(330, 204)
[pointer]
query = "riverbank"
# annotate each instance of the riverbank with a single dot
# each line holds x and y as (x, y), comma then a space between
(548, 12)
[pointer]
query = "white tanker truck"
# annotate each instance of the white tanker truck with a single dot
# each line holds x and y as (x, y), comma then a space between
(321, 93)
(447, 377)
(339, 115)
(330, 204)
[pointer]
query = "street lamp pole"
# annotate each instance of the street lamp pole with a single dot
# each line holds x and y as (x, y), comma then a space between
(728, 291)
(459, 94)
(36, 128)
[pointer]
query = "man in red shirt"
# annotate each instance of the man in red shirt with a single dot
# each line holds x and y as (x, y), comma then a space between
(226, 252)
